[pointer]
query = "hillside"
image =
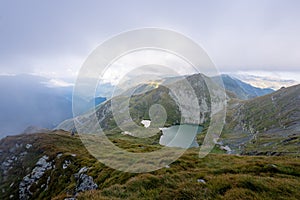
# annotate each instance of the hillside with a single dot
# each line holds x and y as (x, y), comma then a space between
(265, 125)
(56, 166)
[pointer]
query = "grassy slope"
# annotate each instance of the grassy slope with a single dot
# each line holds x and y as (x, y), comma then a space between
(265, 124)
(226, 176)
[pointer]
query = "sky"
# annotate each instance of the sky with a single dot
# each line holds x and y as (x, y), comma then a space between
(53, 38)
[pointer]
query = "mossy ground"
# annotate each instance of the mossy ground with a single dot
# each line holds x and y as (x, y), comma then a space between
(225, 176)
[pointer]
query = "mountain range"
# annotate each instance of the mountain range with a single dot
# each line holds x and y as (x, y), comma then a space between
(257, 120)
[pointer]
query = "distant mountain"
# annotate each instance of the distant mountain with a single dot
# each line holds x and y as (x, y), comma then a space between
(265, 82)
(241, 89)
(28, 100)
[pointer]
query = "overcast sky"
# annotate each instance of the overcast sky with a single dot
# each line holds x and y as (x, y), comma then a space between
(53, 38)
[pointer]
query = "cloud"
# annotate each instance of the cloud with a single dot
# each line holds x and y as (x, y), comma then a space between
(151, 63)
(43, 38)
(57, 83)
(7, 74)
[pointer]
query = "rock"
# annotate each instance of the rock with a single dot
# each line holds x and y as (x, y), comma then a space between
(6, 164)
(85, 183)
(83, 170)
(23, 153)
(217, 142)
(59, 155)
(41, 167)
(47, 183)
(201, 181)
(66, 164)
(28, 146)
(42, 161)
(14, 158)
(10, 161)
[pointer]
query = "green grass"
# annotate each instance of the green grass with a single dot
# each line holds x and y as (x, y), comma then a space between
(226, 176)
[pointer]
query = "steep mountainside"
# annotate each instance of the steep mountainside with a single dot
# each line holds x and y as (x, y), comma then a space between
(266, 124)
(140, 103)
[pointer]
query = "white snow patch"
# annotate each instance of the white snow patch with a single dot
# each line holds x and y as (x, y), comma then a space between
(126, 133)
(226, 148)
(146, 123)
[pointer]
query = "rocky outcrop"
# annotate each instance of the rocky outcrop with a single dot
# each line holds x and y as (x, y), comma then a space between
(40, 168)
(15, 155)
(84, 182)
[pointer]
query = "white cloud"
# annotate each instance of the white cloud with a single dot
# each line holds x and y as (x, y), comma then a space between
(150, 63)
(7, 74)
(268, 79)
(57, 83)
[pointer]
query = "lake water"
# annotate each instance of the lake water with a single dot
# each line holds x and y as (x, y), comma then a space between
(183, 136)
